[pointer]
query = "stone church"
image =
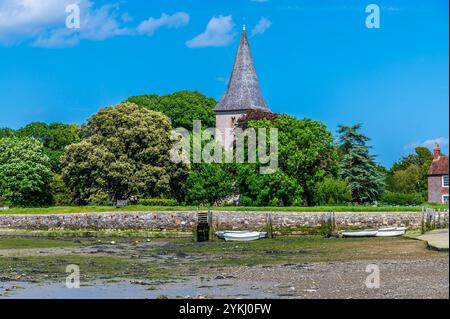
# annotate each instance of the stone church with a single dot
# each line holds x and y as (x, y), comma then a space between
(243, 94)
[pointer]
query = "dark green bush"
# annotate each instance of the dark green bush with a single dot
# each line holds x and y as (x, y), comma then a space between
(332, 191)
(399, 199)
(157, 202)
(100, 198)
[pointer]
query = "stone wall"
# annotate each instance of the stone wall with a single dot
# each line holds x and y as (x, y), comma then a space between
(290, 222)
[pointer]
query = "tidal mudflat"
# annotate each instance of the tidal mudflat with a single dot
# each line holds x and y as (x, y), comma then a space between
(33, 264)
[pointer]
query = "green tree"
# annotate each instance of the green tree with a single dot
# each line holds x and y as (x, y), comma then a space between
(306, 154)
(125, 152)
(208, 183)
(278, 189)
(6, 132)
(407, 181)
(182, 108)
(54, 137)
(59, 192)
(37, 130)
(358, 167)
(25, 172)
(414, 169)
(421, 156)
(332, 191)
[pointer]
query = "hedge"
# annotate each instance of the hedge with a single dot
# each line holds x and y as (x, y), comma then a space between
(157, 202)
(399, 199)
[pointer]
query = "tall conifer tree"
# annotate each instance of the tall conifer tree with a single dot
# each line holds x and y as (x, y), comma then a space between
(357, 166)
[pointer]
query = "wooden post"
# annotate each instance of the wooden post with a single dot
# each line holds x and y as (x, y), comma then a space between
(333, 216)
(194, 232)
(269, 226)
(422, 228)
(445, 218)
(211, 225)
(439, 219)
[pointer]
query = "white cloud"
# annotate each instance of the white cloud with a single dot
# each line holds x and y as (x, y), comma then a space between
(126, 17)
(222, 79)
(27, 18)
(219, 32)
(179, 19)
(262, 26)
(96, 24)
(42, 22)
(442, 141)
(260, 1)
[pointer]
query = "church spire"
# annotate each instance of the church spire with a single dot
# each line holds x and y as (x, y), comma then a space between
(243, 92)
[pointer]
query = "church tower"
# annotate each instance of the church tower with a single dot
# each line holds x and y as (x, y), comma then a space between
(243, 94)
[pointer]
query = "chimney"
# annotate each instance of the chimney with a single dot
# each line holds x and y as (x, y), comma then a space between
(437, 151)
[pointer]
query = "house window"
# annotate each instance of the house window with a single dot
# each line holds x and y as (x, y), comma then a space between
(445, 181)
(445, 199)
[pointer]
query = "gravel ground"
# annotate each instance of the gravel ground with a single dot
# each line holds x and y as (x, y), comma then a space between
(283, 268)
(421, 278)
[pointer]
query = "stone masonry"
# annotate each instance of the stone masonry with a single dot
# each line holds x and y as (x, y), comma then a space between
(295, 222)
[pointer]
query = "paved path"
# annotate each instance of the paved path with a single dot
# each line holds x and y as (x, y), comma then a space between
(437, 239)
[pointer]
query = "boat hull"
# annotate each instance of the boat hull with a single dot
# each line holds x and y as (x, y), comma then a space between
(360, 233)
(383, 232)
(391, 232)
(241, 235)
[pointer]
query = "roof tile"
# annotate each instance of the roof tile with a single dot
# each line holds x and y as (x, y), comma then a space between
(439, 166)
(243, 92)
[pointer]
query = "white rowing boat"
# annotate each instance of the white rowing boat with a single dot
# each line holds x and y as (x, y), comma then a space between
(391, 232)
(240, 235)
(382, 232)
(221, 234)
(360, 233)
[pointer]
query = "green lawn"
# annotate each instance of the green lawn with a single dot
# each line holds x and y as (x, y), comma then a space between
(93, 209)
(29, 243)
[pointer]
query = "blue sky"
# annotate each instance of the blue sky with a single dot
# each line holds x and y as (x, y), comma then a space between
(314, 59)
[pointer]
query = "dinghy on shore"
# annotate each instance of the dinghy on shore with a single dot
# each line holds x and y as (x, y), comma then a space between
(360, 233)
(382, 232)
(241, 235)
(391, 232)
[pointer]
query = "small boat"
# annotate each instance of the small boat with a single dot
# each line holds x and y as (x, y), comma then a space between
(241, 235)
(360, 233)
(391, 232)
(221, 234)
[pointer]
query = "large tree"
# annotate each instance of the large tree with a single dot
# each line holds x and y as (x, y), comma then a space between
(278, 189)
(25, 172)
(332, 191)
(421, 156)
(209, 183)
(357, 165)
(305, 156)
(6, 132)
(54, 137)
(182, 108)
(407, 181)
(125, 152)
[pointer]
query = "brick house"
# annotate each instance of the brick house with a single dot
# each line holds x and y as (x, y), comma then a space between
(438, 178)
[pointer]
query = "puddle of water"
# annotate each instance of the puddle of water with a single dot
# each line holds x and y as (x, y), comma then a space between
(125, 289)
